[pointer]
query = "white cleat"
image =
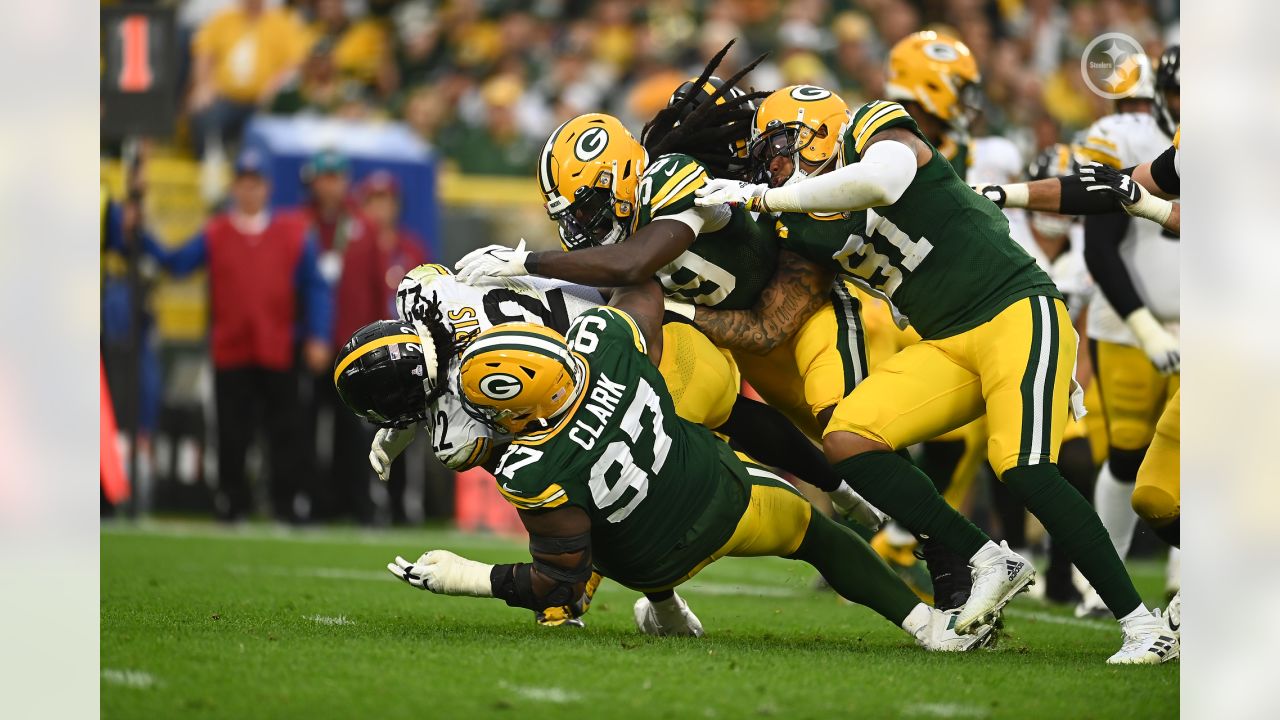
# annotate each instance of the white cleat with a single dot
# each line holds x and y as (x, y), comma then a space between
(998, 574)
(1091, 605)
(853, 506)
(939, 635)
(1147, 641)
(1173, 614)
(667, 618)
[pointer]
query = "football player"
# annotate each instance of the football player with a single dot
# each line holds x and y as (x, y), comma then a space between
(626, 212)
(997, 339)
(605, 475)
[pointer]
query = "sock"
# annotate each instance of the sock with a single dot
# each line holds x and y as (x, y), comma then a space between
(1136, 614)
(1075, 462)
(1070, 521)
(917, 620)
(1170, 533)
(949, 573)
(854, 570)
(1112, 498)
(907, 495)
(768, 436)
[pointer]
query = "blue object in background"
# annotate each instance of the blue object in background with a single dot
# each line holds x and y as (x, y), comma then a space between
(287, 143)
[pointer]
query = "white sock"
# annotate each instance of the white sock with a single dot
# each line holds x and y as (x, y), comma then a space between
(987, 552)
(917, 619)
(1138, 613)
(1112, 498)
(668, 611)
(1173, 571)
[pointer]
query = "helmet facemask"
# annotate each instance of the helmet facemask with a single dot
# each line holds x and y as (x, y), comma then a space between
(589, 220)
(783, 140)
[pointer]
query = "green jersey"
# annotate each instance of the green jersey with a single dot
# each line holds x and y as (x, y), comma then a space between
(726, 267)
(942, 253)
(662, 493)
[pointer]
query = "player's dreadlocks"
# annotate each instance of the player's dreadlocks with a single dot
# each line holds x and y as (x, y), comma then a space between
(443, 348)
(710, 129)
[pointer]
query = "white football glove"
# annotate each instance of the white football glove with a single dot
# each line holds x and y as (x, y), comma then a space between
(1132, 196)
(445, 573)
(734, 192)
(492, 261)
(850, 504)
(1158, 343)
(388, 443)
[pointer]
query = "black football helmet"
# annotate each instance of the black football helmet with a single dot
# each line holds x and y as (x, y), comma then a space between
(1168, 82)
(381, 374)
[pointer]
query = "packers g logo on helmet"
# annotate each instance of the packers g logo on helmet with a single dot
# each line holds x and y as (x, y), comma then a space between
(517, 375)
(588, 172)
(804, 122)
(500, 386)
(937, 72)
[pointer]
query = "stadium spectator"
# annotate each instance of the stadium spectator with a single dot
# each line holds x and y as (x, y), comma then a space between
(318, 89)
(360, 46)
(329, 209)
(497, 146)
(240, 57)
(265, 294)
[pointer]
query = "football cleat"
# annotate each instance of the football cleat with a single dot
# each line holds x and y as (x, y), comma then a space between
(667, 617)
(998, 574)
(1147, 641)
(1173, 613)
(940, 635)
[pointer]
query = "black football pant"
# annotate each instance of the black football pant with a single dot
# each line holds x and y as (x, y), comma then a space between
(249, 399)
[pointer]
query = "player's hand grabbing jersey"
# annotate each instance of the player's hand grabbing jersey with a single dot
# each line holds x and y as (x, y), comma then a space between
(941, 253)
(734, 255)
(662, 493)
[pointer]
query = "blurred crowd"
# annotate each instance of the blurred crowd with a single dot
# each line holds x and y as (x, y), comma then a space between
(485, 81)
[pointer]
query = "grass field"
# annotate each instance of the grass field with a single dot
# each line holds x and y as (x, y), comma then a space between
(198, 621)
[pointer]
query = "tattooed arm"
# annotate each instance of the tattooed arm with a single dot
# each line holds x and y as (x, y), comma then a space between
(797, 290)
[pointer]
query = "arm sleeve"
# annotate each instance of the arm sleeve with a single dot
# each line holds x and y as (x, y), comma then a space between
(1102, 237)
(879, 178)
(1164, 171)
(179, 261)
(318, 296)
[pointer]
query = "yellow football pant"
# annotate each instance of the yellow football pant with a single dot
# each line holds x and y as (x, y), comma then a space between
(820, 364)
(774, 523)
(1016, 368)
(1133, 394)
(702, 378)
(1157, 495)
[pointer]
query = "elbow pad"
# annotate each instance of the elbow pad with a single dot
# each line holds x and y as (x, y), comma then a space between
(514, 583)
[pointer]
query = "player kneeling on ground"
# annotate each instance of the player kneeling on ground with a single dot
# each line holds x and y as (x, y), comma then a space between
(605, 475)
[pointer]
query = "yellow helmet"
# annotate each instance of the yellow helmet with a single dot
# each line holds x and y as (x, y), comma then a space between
(516, 374)
(588, 172)
(806, 122)
(939, 73)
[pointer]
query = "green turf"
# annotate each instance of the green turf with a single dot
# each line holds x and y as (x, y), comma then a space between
(261, 623)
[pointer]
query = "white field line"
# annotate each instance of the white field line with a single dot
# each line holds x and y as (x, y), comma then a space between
(330, 619)
(543, 694)
(1060, 620)
(129, 678)
(717, 588)
(944, 710)
(322, 535)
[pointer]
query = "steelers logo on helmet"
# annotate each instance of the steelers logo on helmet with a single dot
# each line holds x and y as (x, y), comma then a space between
(501, 386)
(591, 143)
(809, 93)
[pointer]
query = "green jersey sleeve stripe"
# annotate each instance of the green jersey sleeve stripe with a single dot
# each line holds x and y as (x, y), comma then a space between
(682, 186)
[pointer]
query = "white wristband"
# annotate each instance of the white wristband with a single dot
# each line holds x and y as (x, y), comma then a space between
(1016, 195)
(1151, 207)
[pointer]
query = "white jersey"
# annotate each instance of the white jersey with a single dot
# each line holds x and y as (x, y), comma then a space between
(1068, 271)
(996, 160)
(1150, 257)
(459, 440)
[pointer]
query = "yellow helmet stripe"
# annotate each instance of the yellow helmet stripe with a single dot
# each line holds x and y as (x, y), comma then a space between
(527, 342)
(369, 347)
